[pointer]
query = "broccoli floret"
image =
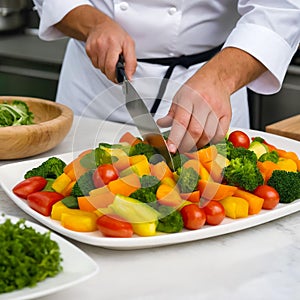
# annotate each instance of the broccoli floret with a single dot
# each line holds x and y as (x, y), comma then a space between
(238, 152)
(51, 168)
(97, 157)
(271, 156)
(147, 192)
(179, 160)
(287, 184)
(243, 172)
(188, 179)
(224, 147)
(150, 182)
(258, 139)
(143, 148)
(83, 185)
(170, 220)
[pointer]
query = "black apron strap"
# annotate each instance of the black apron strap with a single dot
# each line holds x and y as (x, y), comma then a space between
(183, 60)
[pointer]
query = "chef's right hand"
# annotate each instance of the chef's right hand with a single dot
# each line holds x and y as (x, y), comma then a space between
(105, 42)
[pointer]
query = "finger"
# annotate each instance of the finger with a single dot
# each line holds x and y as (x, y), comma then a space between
(167, 120)
(130, 58)
(182, 117)
(209, 131)
(222, 129)
(111, 60)
(192, 135)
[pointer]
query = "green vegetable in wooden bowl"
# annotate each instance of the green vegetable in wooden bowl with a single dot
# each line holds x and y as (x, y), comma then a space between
(51, 123)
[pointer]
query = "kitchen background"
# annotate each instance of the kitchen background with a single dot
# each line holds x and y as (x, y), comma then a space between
(31, 67)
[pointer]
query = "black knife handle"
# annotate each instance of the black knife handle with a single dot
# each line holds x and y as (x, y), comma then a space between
(120, 71)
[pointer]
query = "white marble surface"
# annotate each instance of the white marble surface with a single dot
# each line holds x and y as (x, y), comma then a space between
(258, 263)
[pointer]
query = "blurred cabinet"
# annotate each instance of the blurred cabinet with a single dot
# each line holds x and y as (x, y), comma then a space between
(265, 110)
(29, 66)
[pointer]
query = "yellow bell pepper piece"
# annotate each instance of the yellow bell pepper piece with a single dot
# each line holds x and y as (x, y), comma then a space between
(287, 164)
(144, 229)
(82, 221)
(58, 209)
(235, 207)
(169, 181)
(137, 158)
(140, 168)
(61, 182)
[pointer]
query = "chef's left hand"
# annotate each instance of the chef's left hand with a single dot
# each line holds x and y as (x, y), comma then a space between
(200, 113)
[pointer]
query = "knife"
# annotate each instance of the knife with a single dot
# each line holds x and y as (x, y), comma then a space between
(141, 115)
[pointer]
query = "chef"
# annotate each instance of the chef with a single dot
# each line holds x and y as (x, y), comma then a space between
(191, 60)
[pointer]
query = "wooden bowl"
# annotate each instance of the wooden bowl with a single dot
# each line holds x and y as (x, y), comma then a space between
(52, 122)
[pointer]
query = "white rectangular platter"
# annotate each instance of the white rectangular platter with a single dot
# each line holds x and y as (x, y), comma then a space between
(11, 174)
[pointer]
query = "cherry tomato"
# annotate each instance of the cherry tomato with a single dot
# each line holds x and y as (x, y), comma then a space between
(193, 216)
(114, 226)
(239, 139)
(29, 186)
(104, 174)
(215, 212)
(269, 194)
(43, 201)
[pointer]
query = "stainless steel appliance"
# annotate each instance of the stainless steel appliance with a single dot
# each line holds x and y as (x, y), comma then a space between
(268, 109)
(13, 14)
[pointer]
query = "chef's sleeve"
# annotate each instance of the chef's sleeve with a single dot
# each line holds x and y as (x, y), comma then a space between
(269, 30)
(53, 11)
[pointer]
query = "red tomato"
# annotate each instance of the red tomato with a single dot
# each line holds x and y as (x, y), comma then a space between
(239, 139)
(215, 212)
(269, 194)
(114, 226)
(42, 201)
(104, 174)
(29, 186)
(193, 216)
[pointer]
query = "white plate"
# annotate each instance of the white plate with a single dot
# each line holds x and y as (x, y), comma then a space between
(13, 173)
(77, 267)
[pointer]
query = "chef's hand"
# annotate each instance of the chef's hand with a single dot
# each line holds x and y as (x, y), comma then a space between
(201, 111)
(105, 39)
(104, 44)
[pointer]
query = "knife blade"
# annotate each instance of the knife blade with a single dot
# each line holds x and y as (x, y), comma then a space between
(141, 116)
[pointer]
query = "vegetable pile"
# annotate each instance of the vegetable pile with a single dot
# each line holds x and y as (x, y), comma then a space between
(126, 188)
(26, 256)
(15, 113)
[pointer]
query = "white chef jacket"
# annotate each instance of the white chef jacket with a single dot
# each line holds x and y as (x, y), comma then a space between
(267, 29)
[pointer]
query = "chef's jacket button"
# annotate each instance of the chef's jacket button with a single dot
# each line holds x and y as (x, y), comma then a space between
(123, 5)
(172, 10)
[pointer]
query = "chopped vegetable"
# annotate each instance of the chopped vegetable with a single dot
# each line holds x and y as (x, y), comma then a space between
(287, 184)
(96, 158)
(242, 170)
(70, 202)
(27, 256)
(270, 156)
(15, 113)
(30, 185)
(188, 179)
(170, 220)
(84, 184)
(142, 148)
(51, 168)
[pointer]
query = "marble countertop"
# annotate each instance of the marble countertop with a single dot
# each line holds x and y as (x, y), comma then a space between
(258, 263)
